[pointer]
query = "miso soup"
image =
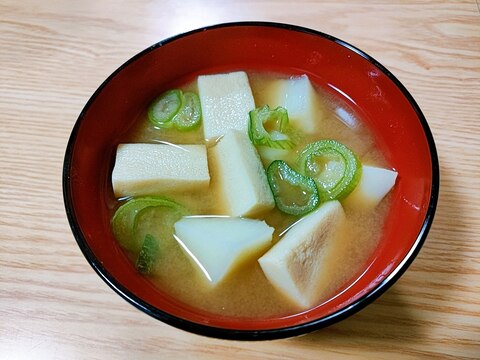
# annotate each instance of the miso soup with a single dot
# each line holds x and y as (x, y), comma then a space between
(246, 291)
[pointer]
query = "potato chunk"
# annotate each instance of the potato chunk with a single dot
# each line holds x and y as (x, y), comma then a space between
(226, 100)
(298, 96)
(148, 169)
(241, 177)
(298, 265)
(219, 244)
(374, 184)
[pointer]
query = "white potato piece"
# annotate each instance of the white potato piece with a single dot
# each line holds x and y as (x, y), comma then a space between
(218, 245)
(148, 169)
(374, 184)
(298, 265)
(298, 96)
(241, 178)
(226, 101)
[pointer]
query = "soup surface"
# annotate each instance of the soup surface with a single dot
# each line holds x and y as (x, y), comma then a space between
(246, 292)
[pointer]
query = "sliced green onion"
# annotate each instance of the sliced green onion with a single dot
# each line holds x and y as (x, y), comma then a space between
(293, 192)
(148, 255)
(269, 128)
(335, 168)
(139, 216)
(190, 114)
(162, 110)
(157, 221)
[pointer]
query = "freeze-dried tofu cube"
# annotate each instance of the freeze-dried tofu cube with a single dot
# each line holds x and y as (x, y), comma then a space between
(226, 101)
(240, 175)
(148, 169)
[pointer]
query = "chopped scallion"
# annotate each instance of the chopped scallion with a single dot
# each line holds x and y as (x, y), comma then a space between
(143, 215)
(190, 114)
(162, 110)
(269, 128)
(148, 255)
(333, 166)
(293, 192)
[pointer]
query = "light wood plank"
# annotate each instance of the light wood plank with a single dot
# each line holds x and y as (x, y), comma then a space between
(54, 54)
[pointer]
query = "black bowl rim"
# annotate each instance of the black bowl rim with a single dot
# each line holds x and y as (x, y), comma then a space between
(264, 334)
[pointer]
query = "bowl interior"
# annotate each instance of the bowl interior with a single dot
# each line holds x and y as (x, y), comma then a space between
(399, 128)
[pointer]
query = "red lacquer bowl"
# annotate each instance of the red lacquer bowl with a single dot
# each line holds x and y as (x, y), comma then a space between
(389, 110)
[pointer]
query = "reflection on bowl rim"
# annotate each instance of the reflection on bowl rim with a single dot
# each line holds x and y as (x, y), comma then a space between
(264, 334)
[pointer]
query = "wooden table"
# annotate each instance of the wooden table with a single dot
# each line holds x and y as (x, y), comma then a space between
(54, 54)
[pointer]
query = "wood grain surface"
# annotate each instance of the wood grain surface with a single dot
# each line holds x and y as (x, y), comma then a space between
(54, 54)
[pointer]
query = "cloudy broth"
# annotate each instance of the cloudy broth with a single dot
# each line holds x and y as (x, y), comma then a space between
(246, 292)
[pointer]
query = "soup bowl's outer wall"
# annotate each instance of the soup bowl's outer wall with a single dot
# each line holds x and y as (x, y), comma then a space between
(389, 110)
